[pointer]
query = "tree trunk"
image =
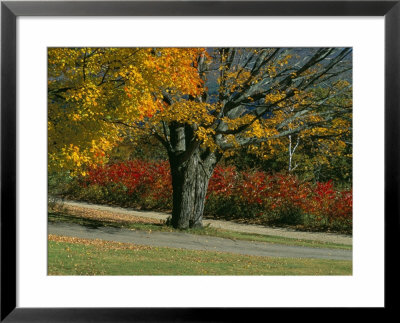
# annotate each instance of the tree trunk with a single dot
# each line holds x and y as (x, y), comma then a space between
(190, 182)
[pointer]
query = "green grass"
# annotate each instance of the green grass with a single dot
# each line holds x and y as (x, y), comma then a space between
(66, 258)
(208, 231)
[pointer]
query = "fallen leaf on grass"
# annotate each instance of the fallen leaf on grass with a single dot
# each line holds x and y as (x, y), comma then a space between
(104, 244)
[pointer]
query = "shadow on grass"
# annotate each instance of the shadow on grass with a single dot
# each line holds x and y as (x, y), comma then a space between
(92, 223)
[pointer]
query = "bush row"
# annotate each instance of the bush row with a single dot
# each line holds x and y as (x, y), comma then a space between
(250, 196)
(279, 199)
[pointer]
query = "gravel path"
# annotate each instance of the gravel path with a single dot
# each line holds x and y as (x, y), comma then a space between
(195, 242)
(227, 225)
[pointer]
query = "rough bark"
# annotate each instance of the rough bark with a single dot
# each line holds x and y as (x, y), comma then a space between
(189, 182)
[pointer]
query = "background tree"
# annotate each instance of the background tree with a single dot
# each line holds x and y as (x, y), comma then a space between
(201, 104)
(317, 154)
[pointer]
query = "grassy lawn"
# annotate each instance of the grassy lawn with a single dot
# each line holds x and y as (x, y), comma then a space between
(73, 256)
(70, 215)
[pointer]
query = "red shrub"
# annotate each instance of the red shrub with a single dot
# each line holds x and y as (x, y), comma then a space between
(259, 192)
(223, 181)
(327, 203)
(142, 178)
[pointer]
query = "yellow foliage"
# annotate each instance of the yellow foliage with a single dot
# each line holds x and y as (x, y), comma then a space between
(94, 92)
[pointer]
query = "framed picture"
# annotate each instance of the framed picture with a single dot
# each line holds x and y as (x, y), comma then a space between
(29, 28)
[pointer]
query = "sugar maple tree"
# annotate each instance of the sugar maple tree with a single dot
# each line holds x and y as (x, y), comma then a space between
(201, 104)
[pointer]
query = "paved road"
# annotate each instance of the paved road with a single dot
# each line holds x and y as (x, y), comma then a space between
(195, 242)
(227, 225)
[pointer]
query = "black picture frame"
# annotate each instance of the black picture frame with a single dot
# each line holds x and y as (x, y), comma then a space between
(10, 10)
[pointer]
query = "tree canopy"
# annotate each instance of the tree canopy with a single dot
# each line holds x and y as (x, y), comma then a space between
(230, 97)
